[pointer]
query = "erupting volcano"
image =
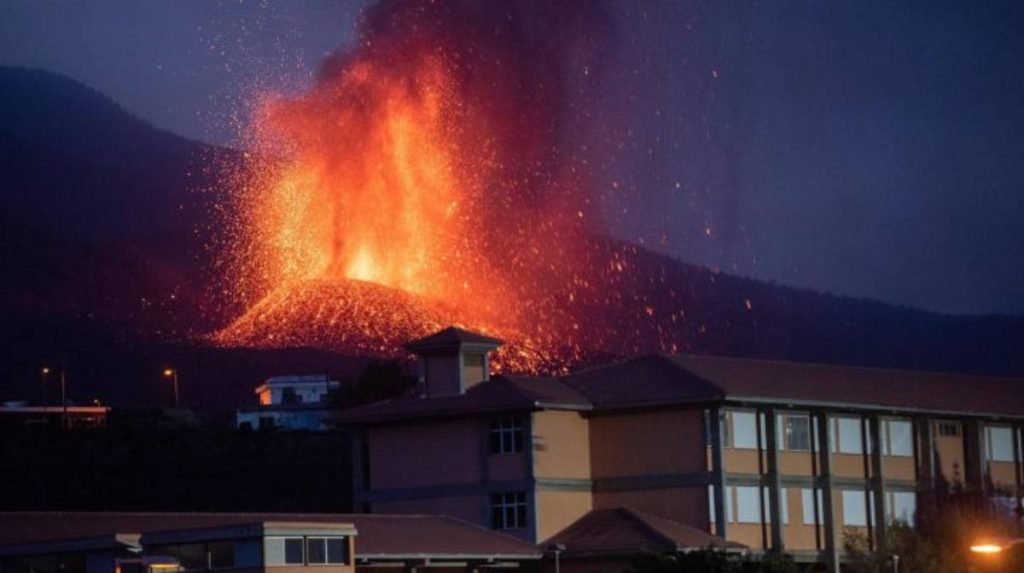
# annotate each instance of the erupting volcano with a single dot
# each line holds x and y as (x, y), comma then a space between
(431, 177)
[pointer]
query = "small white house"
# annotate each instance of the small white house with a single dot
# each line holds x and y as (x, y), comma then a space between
(291, 403)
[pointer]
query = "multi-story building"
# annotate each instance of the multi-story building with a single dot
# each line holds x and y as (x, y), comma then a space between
(290, 402)
(760, 453)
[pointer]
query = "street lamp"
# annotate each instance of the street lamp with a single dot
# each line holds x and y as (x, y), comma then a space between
(557, 549)
(44, 373)
(173, 375)
(992, 546)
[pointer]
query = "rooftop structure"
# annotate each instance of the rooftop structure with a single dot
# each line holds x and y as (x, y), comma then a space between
(764, 454)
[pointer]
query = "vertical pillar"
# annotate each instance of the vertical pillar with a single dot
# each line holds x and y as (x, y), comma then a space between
(717, 471)
(973, 455)
(924, 460)
(772, 478)
(877, 481)
(1018, 465)
(825, 485)
(359, 472)
(532, 507)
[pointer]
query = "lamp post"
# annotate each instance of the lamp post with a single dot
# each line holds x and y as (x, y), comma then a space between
(557, 549)
(63, 398)
(44, 373)
(173, 375)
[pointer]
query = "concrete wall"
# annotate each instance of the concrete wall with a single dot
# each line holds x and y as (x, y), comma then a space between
(561, 445)
(688, 505)
(647, 443)
(442, 373)
(414, 455)
(556, 510)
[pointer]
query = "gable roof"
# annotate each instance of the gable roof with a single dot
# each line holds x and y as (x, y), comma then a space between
(626, 531)
(378, 536)
(499, 394)
(452, 338)
(674, 379)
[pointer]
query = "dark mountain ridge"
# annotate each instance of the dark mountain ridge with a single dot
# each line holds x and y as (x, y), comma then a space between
(104, 220)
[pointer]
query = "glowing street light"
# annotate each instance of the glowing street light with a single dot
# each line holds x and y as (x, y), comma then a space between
(173, 375)
(993, 546)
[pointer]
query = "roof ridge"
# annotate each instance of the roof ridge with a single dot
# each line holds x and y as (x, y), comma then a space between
(642, 519)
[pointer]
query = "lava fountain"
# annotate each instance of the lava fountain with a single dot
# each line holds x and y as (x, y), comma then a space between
(425, 179)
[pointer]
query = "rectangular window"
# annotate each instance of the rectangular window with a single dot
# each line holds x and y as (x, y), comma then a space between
(748, 504)
(797, 431)
(809, 509)
(849, 436)
(506, 436)
(316, 551)
(854, 512)
(902, 507)
(293, 554)
(744, 430)
(337, 550)
(898, 437)
(1000, 443)
(508, 510)
(783, 505)
(948, 429)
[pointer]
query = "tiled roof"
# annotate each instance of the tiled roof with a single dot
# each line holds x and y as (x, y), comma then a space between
(665, 379)
(451, 337)
(661, 380)
(378, 535)
(624, 531)
(499, 394)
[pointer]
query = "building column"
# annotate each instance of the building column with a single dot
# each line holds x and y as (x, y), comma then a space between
(824, 483)
(717, 471)
(1018, 466)
(876, 481)
(924, 460)
(772, 479)
(973, 456)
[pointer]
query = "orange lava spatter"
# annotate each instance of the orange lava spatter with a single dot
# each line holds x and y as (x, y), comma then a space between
(422, 181)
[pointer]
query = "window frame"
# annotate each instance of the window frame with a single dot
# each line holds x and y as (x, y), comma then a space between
(506, 436)
(508, 504)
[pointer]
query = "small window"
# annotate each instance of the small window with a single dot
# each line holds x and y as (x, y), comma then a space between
(902, 506)
(506, 436)
(948, 429)
(855, 512)
(798, 433)
(316, 551)
(508, 510)
(849, 438)
(1000, 443)
(744, 430)
(811, 511)
(293, 551)
(337, 550)
(473, 360)
(748, 504)
(899, 438)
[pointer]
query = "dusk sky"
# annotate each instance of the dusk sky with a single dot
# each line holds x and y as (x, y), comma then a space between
(873, 150)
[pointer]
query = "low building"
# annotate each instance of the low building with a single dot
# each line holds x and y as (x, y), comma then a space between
(290, 402)
(109, 542)
(766, 454)
(73, 417)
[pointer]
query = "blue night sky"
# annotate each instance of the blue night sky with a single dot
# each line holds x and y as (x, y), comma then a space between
(868, 149)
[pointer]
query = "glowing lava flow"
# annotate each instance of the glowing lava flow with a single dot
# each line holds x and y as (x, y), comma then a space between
(412, 187)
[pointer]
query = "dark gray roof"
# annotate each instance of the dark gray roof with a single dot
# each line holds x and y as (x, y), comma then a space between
(377, 535)
(452, 338)
(626, 531)
(499, 394)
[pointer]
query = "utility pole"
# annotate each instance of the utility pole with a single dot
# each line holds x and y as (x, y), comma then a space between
(64, 397)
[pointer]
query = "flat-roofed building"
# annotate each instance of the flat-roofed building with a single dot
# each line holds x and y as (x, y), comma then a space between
(765, 454)
(115, 542)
